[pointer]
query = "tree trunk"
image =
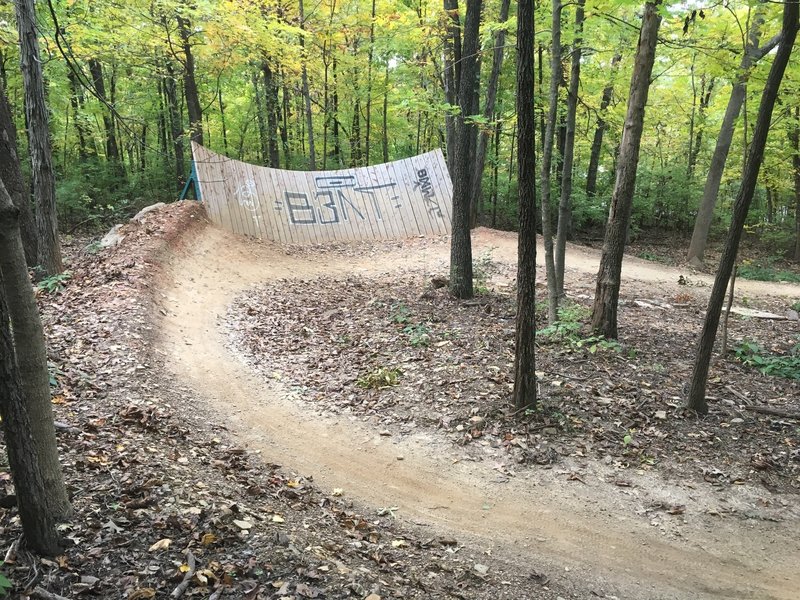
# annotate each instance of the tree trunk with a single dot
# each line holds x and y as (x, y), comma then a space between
(261, 119)
(112, 148)
(385, 133)
(565, 203)
(176, 127)
(525, 338)
(44, 183)
(285, 112)
(547, 164)
(31, 358)
(705, 213)
(796, 164)
(38, 523)
(76, 101)
(606, 297)
(312, 155)
(368, 120)
(461, 245)
(190, 83)
(597, 140)
(697, 390)
(11, 175)
(356, 157)
(271, 103)
(706, 88)
(222, 119)
(488, 112)
(452, 77)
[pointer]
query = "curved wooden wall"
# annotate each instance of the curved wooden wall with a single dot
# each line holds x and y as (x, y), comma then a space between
(399, 199)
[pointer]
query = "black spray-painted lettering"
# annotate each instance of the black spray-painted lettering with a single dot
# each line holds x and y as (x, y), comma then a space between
(425, 185)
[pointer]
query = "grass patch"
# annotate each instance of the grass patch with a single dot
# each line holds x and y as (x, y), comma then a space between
(766, 271)
(779, 365)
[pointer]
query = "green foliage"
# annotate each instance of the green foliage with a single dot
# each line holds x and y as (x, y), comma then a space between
(569, 327)
(379, 378)
(55, 283)
(419, 334)
(401, 314)
(765, 271)
(753, 355)
(5, 584)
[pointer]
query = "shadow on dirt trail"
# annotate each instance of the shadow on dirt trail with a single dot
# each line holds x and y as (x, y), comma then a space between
(523, 522)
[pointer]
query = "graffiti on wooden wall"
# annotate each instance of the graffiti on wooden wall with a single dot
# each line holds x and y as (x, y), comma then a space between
(398, 199)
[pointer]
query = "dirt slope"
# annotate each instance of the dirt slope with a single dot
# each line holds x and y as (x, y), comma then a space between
(530, 521)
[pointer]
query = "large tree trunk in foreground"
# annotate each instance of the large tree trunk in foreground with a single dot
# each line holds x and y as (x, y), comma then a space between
(31, 357)
(525, 354)
(547, 164)
(697, 388)
(38, 523)
(705, 212)
(11, 175)
(565, 202)
(606, 296)
(461, 244)
(44, 182)
(488, 113)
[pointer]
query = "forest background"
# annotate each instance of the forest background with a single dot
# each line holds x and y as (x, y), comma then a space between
(344, 83)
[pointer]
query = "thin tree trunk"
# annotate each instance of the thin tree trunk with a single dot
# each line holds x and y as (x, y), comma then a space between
(461, 285)
(285, 112)
(795, 138)
(488, 112)
(312, 156)
(452, 77)
(385, 133)
(356, 156)
(337, 145)
(697, 389)
(263, 137)
(31, 359)
(547, 164)
(11, 175)
(176, 127)
(599, 132)
(524, 393)
(76, 101)
(112, 148)
(565, 203)
(496, 171)
(44, 183)
(368, 123)
(606, 297)
(190, 83)
(705, 213)
(706, 88)
(222, 118)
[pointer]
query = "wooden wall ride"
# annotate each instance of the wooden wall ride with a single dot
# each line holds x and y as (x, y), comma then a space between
(399, 199)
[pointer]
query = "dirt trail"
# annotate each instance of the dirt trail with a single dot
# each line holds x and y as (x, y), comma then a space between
(541, 527)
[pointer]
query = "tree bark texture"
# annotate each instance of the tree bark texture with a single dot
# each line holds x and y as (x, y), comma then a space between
(190, 83)
(705, 212)
(606, 297)
(599, 132)
(112, 148)
(565, 202)
(525, 337)
(795, 139)
(452, 77)
(44, 183)
(547, 164)
(261, 118)
(31, 356)
(697, 388)
(461, 245)
(488, 113)
(38, 523)
(271, 102)
(312, 154)
(11, 175)
(175, 124)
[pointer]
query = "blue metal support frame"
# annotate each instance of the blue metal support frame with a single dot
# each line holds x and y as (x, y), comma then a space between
(191, 181)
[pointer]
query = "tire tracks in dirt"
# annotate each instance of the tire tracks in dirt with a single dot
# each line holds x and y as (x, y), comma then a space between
(532, 526)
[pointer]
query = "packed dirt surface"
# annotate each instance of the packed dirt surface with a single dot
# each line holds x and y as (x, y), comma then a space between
(593, 534)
